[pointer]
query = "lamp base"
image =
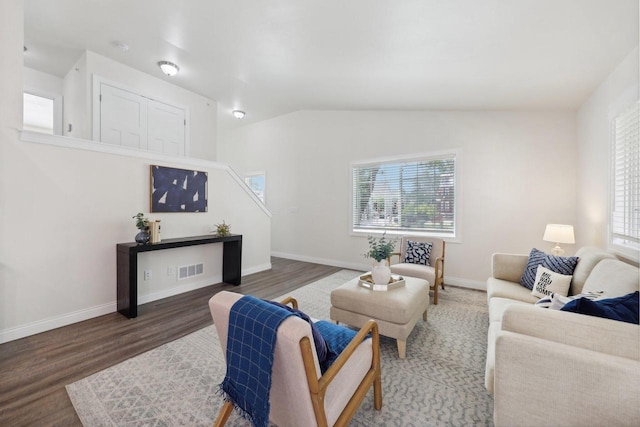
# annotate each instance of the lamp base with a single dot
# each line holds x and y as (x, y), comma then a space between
(557, 251)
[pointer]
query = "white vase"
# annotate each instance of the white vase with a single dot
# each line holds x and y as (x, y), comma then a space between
(381, 273)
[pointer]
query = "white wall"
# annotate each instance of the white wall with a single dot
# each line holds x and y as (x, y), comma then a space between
(77, 101)
(518, 173)
(63, 209)
(43, 82)
(619, 90)
(79, 89)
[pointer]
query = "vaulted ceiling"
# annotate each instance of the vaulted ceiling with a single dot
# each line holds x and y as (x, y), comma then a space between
(273, 57)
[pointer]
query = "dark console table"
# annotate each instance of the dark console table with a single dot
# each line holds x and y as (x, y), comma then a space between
(128, 264)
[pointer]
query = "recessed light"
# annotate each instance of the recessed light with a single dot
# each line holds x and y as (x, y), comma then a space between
(238, 114)
(169, 68)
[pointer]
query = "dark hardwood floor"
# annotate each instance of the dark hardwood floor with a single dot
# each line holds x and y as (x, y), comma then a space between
(35, 370)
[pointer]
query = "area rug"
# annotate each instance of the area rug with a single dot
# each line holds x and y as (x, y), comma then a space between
(440, 383)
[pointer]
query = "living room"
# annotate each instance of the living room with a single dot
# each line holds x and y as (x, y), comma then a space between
(527, 156)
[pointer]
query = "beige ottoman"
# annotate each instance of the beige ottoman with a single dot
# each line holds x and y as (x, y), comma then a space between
(396, 311)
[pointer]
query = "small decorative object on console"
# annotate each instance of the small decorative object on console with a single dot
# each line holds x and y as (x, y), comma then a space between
(154, 231)
(222, 229)
(142, 225)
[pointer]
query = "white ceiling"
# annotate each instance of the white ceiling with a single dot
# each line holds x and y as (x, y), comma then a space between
(274, 57)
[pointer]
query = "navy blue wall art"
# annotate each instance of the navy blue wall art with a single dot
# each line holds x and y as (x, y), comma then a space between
(178, 190)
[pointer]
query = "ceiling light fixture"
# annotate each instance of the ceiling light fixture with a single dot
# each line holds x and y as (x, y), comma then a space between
(238, 114)
(169, 68)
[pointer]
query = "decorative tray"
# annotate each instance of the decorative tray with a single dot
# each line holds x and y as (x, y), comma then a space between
(396, 281)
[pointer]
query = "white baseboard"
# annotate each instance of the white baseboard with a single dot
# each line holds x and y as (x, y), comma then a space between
(331, 262)
(256, 269)
(154, 296)
(165, 293)
(44, 325)
(448, 280)
(465, 283)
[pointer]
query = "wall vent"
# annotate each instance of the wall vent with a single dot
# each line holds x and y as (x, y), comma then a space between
(186, 271)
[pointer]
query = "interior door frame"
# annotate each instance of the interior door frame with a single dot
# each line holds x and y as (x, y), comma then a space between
(97, 81)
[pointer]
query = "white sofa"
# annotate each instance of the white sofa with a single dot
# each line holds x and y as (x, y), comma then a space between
(549, 367)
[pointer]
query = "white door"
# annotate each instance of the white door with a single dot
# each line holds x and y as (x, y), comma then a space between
(123, 117)
(166, 128)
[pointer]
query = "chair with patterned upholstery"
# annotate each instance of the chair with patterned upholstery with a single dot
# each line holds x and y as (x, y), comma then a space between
(300, 394)
(421, 257)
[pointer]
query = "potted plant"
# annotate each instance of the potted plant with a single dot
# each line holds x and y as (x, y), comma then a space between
(143, 226)
(380, 250)
(222, 229)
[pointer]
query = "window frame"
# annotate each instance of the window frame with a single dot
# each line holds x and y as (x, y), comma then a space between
(623, 250)
(264, 191)
(456, 154)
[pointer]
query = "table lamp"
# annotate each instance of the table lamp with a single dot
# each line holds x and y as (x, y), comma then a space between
(558, 233)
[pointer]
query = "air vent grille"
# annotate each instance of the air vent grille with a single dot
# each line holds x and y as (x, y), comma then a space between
(186, 271)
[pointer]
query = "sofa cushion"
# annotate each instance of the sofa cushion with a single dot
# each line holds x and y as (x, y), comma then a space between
(589, 257)
(417, 252)
(506, 289)
(548, 282)
(624, 308)
(424, 272)
(614, 277)
(498, 305)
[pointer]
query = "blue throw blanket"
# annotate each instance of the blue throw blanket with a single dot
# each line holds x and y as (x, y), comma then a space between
(253, 325)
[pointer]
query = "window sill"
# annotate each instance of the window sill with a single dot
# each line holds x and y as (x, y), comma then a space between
(399, 233)
(626, 252)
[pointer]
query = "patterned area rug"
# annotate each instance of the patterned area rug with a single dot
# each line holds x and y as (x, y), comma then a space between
(440, 383)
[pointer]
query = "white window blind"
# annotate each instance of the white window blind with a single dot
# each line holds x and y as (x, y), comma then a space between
(414, 195)
(38, 114)
(625, 203)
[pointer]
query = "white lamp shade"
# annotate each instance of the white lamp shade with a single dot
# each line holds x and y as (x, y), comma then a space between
(559, 233)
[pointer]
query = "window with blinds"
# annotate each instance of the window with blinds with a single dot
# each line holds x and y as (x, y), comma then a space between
(412, 195)
(625, 203)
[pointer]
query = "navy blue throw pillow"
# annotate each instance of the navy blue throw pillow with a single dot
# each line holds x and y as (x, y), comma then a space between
(337, 338)
(418, 252)
(560, 264)
(557, 264)
(322, 350)
(529, 276)
(624, 309)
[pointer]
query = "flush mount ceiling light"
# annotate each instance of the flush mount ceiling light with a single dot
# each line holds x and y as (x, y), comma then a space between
(169, 68)
(238, 114)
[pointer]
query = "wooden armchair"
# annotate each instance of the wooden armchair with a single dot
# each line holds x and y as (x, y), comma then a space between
(332, 398)
(432, 273)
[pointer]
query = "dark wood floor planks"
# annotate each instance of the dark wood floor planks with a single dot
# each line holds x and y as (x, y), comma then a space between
(35, 370)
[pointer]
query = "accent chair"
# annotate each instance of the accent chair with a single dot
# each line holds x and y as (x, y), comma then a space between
(433, 272)
(300, 395)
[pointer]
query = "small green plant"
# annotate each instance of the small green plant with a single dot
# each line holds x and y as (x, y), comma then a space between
(223, 229)
(381, 248)
(141, 221)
